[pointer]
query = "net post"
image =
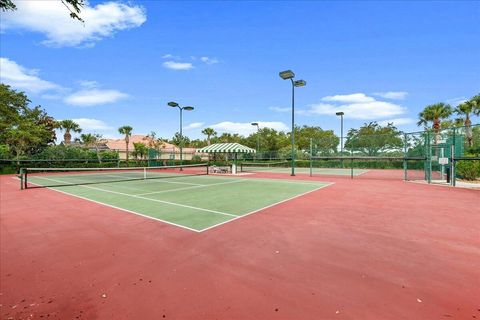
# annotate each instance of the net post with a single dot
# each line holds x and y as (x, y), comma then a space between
(144, 173)
(25, 179)
(311, 156)
(351, 168)
(21, 178)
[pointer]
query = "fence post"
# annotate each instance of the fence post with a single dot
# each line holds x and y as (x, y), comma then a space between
(429, 159)
(311, 156)
(452, 160)
(405, 157)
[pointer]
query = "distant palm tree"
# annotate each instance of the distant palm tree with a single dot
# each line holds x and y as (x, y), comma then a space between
(435, 113)
(475, 101)
(140, 150)
(466, 109)
(68, 126)
(90, 140)
(127, 131)
(209, 132)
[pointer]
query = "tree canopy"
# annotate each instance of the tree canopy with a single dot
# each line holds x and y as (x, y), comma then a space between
(23, 129)
(372, 139)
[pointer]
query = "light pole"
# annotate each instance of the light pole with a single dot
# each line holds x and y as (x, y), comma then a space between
(258, 136)
(341, 131)
(186, 108)
(285, 75)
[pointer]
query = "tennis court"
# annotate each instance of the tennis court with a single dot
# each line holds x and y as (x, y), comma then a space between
(189, 198)
(285, 167)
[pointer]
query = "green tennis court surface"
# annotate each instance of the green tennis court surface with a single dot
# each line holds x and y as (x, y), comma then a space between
(196, 202)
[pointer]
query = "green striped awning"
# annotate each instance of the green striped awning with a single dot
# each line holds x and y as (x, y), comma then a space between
(226, 148)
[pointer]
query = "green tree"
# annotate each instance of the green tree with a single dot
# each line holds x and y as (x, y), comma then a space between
(92, 140)
(74, 6)
(324, 140)
(127, 132)
(271, 141)
(68, 126)
(466, 109)
(229, 137)
(434, 114)
(372, 139)
(140, 150)
(22, 129)
(475, 101)
(177, 139)
(209, 132)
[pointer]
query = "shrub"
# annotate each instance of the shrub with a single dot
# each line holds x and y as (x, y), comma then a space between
(468, 169)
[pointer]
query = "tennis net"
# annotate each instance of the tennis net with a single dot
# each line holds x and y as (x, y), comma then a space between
(262, 166)
(56, 177)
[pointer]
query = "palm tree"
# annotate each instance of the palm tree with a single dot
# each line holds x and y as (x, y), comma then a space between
(68, 126)
(90, 140)
(140, 150)
(209, 132)
(127, 131)
(435, 113)
(466, 109)
(475, 101)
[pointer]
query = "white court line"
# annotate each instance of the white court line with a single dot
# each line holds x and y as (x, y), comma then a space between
(119, 208)
(154, 200)
(150, 180)
(287, 181)
(185, 227)
(192, 187)
(266, 207)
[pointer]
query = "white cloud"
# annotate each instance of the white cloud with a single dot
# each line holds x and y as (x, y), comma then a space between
(352, 98)
(394, 95)
(94, 97)
(208, 60)
(397, 122)
(22, 78)
(355, 106)
(88, 84)
(280, 109)
(178, 65)
(194, 125)
(92, 124)
(456, 101)
(246, 128)
(51, 19)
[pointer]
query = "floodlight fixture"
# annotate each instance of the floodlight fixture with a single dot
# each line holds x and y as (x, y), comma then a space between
(287, 74)
(299, 83)
(173, 104)
(254, 124)
(340, 113)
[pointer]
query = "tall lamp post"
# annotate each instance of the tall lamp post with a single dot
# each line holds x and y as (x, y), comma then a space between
(341, 131)
(258, 136)
(285, 75)
(186, 108)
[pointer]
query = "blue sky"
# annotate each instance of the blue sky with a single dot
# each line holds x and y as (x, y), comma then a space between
(376, 61)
